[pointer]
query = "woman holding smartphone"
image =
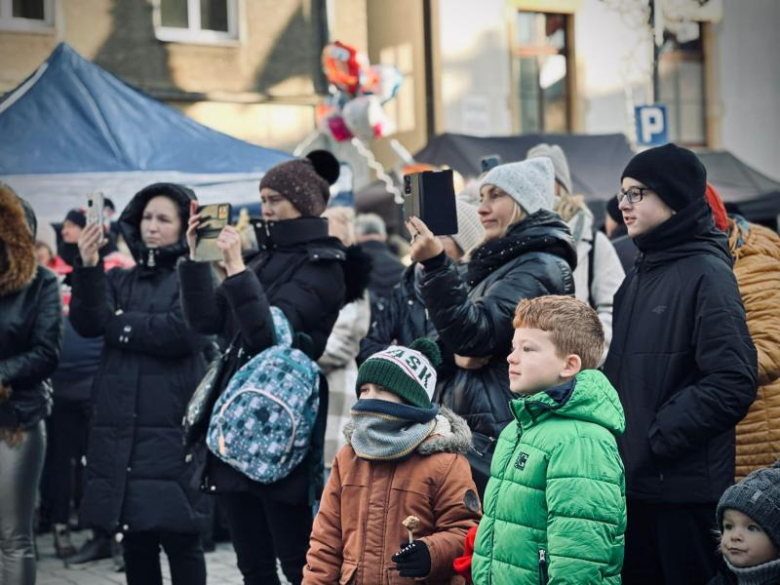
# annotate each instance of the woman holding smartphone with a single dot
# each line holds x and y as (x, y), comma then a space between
(527, 252)
(303, 271)
(139, 477)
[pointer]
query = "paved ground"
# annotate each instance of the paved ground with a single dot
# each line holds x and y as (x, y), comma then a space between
(220, 566)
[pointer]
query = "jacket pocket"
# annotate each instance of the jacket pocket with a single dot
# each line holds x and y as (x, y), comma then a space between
(544, 577)
(348, 571)
(394, 578)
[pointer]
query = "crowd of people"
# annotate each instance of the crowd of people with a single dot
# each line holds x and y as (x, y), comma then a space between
(529, 400)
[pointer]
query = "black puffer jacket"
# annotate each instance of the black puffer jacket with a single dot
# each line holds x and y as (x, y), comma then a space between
(138, 474)
(682, 361)
(403, 320)
(30, 318)
(386, 272)
(476, 320)
(300, 269)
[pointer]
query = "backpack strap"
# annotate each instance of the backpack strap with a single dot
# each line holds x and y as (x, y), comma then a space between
(283, 334)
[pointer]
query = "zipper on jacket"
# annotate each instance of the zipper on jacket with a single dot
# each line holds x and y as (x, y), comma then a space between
(543, 574)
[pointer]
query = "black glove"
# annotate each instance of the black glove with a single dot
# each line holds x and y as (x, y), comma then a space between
(413, 560)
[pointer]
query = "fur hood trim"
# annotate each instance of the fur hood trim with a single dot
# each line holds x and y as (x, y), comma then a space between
(18, 263)
(451, 435)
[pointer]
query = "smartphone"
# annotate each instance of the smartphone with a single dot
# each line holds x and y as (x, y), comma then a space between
(488, 162)
(95, 202)
(213, 219)
(430, 195)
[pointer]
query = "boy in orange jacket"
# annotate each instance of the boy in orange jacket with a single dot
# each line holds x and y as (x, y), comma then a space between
(404, 461)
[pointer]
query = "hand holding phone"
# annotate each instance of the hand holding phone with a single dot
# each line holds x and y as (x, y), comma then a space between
(91, 240)
(425, 244)
(206, 227)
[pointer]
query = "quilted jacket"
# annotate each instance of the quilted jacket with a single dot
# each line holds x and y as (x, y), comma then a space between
(555, 509)
(359, 525)
(756, 253)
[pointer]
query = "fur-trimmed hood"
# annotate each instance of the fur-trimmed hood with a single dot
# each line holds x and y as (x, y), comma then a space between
(18, 264)
(451, 435)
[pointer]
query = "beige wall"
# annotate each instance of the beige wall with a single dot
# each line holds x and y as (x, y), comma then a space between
(258, 87)
(396, 37)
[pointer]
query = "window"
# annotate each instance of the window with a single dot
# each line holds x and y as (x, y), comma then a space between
(26, 15)
(540, 63)
(681, 84)
(196, 20)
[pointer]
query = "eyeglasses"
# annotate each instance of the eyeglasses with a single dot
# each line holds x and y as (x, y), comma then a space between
(633, 194)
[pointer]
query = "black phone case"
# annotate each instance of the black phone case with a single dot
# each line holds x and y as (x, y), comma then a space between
(432, 199)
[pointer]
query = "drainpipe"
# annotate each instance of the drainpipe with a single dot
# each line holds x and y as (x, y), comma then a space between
(430, 102)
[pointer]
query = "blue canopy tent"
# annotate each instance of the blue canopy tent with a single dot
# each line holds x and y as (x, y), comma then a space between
(72, 128)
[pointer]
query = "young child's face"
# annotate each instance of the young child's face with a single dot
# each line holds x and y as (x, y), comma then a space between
(744, 543)
(534, 364)
(376, 392)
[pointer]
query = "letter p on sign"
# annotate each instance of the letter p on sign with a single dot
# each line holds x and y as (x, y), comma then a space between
(651, 128)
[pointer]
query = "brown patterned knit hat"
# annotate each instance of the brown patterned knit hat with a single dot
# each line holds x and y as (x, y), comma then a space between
(305, 182)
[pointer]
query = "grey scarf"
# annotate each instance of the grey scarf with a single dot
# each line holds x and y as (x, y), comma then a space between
(763, 574)
(387, 431)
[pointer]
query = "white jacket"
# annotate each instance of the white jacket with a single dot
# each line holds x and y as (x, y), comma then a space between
(608, 272)
(338, 365)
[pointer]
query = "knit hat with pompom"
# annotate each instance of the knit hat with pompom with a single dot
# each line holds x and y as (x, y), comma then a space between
(305, 182)
(409, 372)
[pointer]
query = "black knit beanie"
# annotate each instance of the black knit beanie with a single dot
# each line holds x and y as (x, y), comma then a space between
(305, 182)
(613, 210)
(674, 173)
(756, 496)
(78, 217)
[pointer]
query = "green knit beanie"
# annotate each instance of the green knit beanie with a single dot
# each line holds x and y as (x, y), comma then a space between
(409, 372)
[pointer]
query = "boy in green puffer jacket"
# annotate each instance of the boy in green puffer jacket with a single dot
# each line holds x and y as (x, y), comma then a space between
(555, 506)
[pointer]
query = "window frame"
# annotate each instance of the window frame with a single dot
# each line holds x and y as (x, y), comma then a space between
(518, 51)
(9, 22)
(703, 58)
(193, 33)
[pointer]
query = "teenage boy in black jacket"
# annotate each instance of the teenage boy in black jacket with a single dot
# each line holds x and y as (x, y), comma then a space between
(684, 366)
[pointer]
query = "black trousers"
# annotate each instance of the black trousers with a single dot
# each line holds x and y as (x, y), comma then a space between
(185, 558)
(263, 530)
(67, 429)
(671, 544)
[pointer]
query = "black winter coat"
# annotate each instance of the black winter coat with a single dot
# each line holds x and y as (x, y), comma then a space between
(682, 361)
(300, 270)
(386, 272)
(403, 319)
(139, 477)
(476, 320)
(724, 577)
(30, 340)
(30, 317)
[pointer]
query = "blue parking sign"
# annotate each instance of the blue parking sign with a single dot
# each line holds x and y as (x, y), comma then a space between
(651, 125)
